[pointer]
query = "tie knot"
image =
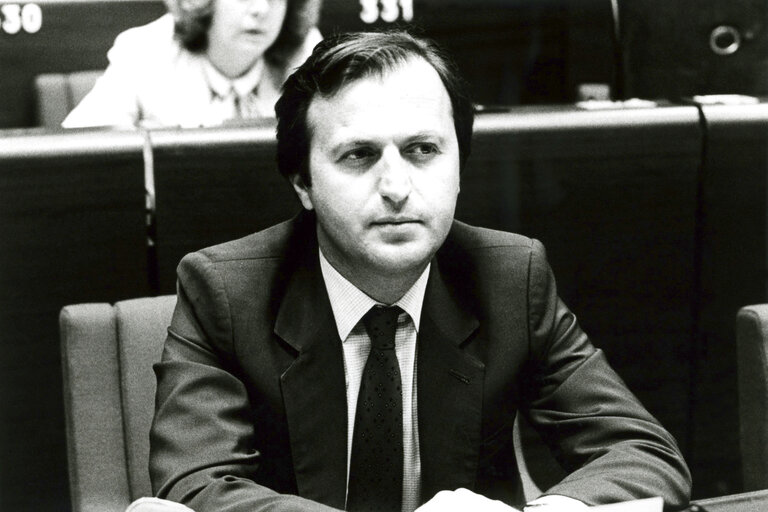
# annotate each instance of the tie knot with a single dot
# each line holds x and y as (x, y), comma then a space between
(380, 324)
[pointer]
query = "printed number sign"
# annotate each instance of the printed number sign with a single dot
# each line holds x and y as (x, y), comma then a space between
(15, 18)
(388, 11)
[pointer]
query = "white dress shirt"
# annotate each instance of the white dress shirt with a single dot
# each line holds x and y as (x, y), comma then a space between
(349, 305)
(236, 98)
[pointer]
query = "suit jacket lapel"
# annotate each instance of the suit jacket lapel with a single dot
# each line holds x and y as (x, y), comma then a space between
(449, 380)
(450, 391)
(314, 387)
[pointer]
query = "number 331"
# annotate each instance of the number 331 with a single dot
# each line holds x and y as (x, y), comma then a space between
(389, 11)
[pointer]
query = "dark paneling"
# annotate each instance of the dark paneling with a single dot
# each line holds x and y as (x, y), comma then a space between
(214, 185)
(71, 230)
(666, 48)
(612, 195)
(510, 51)
(592, 48)
(733, 274)
(74, 35)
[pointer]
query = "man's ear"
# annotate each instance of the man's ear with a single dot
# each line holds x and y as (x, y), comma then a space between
(302, 191)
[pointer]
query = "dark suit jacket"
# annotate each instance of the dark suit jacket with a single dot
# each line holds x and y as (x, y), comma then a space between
(251, 404)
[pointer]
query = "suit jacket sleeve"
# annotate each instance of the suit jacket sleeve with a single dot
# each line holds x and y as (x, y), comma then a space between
(612, 448)
(202, 448)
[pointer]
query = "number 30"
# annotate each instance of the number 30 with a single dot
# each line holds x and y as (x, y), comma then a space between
(389, 12)
(16, 18)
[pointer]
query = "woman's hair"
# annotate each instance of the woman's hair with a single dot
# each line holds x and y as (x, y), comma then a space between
(192, 19)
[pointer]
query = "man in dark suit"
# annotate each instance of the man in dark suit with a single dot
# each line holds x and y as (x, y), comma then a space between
(372, 353)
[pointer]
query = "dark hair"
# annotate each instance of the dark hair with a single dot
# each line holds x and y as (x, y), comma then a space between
(344, 58)
(192, 19)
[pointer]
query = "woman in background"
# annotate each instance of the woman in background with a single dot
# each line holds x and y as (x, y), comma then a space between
(204, 63)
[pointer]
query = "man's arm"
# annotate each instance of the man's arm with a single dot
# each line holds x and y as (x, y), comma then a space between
(203, 451)
(612, 448)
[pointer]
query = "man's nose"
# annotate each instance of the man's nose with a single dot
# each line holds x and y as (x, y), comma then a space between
(395, 179)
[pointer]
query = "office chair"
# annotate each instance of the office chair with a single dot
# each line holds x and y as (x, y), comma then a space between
(109, 388)
(56, 94)
(752, 364)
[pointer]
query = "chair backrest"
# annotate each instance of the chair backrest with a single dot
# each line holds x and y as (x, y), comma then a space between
(752, 364)
(56, 94)
(109, 388)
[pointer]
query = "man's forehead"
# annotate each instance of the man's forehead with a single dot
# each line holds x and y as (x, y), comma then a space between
(411, 64)
(412, 86)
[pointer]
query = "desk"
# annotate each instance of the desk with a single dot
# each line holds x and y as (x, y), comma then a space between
(211, 186)
(71, 230)
(612, 194)
(734, 270)
(746, 502)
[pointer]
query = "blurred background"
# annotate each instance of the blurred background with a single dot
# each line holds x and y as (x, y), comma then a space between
(629, 136)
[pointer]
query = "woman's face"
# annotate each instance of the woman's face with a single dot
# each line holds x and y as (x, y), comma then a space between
(241, 31)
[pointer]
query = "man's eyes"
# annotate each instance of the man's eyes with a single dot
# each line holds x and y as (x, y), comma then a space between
(423, 148)
(358, 154)
(365, 155)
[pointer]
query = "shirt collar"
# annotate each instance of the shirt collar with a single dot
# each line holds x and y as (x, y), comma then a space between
(349, 303)
(242, 85)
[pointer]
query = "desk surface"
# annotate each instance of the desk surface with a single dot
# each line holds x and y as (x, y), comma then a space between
(746, 502)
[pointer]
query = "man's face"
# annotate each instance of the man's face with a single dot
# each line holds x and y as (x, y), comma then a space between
(384, 166)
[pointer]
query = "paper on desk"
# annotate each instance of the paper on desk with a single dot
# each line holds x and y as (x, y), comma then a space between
(645, 505)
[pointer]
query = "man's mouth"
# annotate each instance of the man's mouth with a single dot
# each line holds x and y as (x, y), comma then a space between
(395, 221)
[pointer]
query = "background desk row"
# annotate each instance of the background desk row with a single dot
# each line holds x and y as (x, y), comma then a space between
(511, 52)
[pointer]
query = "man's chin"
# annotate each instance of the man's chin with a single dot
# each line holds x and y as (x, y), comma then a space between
(402, 258)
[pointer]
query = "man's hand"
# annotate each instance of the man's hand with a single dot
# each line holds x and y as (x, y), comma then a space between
(463, 500)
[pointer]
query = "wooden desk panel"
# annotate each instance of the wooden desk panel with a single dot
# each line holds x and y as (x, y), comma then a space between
(72, 230)
(734, 267)
(214, 185)
(612, 195)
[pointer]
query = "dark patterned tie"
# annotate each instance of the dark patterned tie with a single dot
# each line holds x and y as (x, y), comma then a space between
(376, 465)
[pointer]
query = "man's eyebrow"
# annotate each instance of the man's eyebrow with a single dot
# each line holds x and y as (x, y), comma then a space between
(431, 136)
(356, 141)
(349, 143)
(426, 134)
